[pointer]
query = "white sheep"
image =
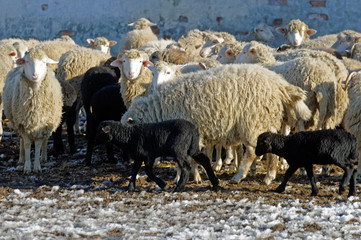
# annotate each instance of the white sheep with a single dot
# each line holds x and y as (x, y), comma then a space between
(8, 57)
(311, 74)
(72, 66)
(136, 77)
(211, 99)
(296, 32)
(21, 45)
(345, 40)
(158, 45)
(33, 104)
(192, 43)
(355, 52)
(140, 35)
(214, 41)
(101, 43)
(230, 51)
(325, 41)
(261, 32)
(352, 118)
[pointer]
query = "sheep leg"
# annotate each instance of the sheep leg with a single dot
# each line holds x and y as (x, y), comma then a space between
(135, 169)
(311, 176)
(245, 164)
(196, 175)
(185, 167)
(229, 154)
(21, 153)
(70, 131)
(352, 190)
(38, 143)
(58, 142)
(149, 171)
(44, 150)
(253, 171)
(218, 165)
(286, 130)
(1, 120)
(205, 162)
(271, 168)
(77, 119)
(110, 153)
(359, 161)
(27, 146)
(289, 172)
(348, 168)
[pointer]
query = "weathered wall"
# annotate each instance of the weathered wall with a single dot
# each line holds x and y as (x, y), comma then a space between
(46, 19)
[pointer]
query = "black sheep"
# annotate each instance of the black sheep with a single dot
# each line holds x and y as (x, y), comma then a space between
(145, 142)
(69, 117)
(106, 104)
(95, 79)
(303, 149)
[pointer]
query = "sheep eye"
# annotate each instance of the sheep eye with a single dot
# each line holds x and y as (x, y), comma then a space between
(168, 72)
(220, 56)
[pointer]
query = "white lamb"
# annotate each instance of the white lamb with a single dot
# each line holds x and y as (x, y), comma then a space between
(8, 57)
(136, 77)
(296, 32)
(158, 45)
(33, 104)
(140, 35)
(101, 43)
(261, 32)
(230, 51)
(211, 99)
(352, 119)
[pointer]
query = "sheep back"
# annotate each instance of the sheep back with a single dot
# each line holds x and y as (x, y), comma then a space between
(229, 104)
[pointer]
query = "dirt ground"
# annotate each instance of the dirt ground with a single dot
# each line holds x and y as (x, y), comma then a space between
(69, 171)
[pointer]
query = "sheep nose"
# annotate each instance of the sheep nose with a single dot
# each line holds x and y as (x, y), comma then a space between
(296, 42)
(35, 76)
(131, 74)
(202, 54)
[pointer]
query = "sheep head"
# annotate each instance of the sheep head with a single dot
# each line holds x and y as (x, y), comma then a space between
(131, 63)
(296, 32)
(101, 43)
(35, 65)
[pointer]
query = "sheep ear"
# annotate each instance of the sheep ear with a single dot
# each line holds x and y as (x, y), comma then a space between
(147, 63)
(229, 52)
(356, 39)
(112, 43)
(106, 129)
(131, 24)
(198, 46)
(152, 24)
(218, 40)
(281, 30)
(116, 63)
(91, 41)
(49, 60)
(253, 51)
(12, 54)
(203, 66)
(130, 121)
(20, 61)
(310, 31)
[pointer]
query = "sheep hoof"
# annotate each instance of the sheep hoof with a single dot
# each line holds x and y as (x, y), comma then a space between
(235, 181)
(314, 194)
(217, 167)
(27, 172)
(279, 190)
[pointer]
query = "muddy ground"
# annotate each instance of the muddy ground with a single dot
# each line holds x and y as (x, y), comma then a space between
(110, 181)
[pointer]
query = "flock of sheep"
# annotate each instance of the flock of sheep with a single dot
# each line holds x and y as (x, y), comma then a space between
(229, 91)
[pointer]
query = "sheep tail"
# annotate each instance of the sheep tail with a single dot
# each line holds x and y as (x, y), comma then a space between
(297, 97)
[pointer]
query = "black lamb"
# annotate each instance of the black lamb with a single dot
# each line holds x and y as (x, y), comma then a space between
(69, 117)
(145, 142)
(106, 104)
(303, 149)
(95, 79)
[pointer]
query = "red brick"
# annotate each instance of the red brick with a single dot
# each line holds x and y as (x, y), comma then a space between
(167, 37)
(277, 22)
(318, 16)
(155, 29)
(219, 19)
(67, 32)
(277, 2)
(318, 3)
(44, 7)
(183, 19)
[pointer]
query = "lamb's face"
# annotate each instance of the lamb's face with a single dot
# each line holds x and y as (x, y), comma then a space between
(131, 63)
(264, 33)
(208, 47)
(248, 55)
(35, 66)
(104, 133)
(163, 73)
(264, 144)
(226, 55)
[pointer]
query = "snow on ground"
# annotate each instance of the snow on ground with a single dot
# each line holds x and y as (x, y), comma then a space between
(74, 213)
